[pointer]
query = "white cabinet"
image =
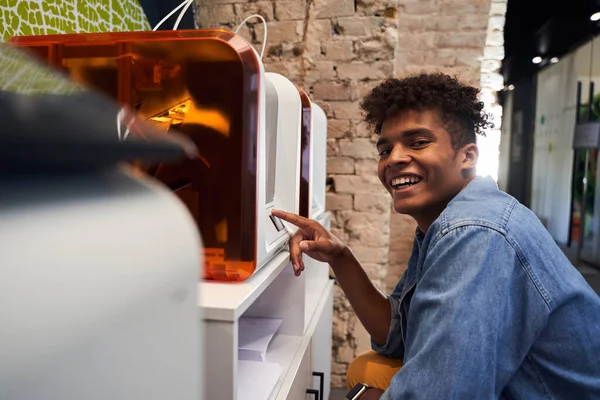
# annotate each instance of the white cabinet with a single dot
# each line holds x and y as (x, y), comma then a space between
(321, 349)
(302, 346)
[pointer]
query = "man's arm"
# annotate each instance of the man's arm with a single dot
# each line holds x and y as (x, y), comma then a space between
(465, 336)
(370, 305)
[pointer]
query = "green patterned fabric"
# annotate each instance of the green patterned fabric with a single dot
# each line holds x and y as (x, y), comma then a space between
(45, 17)
(19, 73)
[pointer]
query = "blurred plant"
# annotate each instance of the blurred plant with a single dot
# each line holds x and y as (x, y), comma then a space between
(578, 179)
(583, 110)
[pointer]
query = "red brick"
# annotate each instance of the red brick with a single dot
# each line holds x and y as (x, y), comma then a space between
(340, 165)
(338, 50)
(358, 148)
(332, 91)
(290, 10)
(462, 40)
(345, 109)
(335, 202)
(336, 8)
(358, 71)
(279, 32)
(338, 128)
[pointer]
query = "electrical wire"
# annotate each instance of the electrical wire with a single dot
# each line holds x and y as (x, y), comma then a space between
(264, 42)
(181, 14)
(184, 3)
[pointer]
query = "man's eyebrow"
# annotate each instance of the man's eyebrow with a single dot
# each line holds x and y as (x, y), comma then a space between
(382, 141)
(416, 132)
(406, 134)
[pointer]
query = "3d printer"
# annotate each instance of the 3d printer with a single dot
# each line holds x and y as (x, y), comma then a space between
(313, 158)
(211, 86)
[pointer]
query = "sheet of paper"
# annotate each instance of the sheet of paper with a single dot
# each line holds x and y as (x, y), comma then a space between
(254, 336)
(256, 380)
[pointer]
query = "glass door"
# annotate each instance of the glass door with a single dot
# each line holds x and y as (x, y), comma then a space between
(585, 211)
(586, 224)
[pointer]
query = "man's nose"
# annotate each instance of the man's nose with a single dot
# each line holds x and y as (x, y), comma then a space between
(398, 155)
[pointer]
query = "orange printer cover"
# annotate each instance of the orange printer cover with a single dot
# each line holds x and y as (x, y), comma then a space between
(202, 83)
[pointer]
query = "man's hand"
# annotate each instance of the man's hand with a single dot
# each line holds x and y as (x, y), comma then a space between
(372, 394)
(371, 306)
(311, 238)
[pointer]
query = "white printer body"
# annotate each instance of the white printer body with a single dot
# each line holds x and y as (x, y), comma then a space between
(98, 282)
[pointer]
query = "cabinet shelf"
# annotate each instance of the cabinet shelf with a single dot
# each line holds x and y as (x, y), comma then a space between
(227, 301)
(302, 344)
(286, 382)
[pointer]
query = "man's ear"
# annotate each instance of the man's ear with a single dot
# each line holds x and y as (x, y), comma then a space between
(470, 155)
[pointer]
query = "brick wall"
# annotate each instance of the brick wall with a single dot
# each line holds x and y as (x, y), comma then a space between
(338, 51)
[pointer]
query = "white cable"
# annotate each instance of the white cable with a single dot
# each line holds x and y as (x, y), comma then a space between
(264, 42)
(162, 21)
(182, 13)
(120, 118)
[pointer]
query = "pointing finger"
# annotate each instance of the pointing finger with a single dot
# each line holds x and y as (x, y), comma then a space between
(294, 219)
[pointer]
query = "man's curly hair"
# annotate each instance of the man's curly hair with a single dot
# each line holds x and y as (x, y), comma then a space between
(461, 113)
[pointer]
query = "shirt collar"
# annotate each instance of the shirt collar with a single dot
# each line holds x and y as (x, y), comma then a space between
(479, 187)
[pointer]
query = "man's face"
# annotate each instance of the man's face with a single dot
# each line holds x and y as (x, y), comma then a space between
(419, 166)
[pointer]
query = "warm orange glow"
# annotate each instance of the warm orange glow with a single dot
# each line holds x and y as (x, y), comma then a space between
(200, 83)
(217, 269)
(211, 118)
(221, 231)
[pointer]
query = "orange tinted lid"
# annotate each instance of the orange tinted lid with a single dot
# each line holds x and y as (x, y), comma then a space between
(121, 36)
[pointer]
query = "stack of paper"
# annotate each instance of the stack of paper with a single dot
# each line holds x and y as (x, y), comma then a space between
(254, 336)
(256, 380)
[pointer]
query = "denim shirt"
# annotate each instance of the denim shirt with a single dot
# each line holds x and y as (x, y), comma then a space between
(490, 308)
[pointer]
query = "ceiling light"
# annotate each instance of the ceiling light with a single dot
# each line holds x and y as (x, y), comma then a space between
(595, 16)
(554, 60)
(536, 60)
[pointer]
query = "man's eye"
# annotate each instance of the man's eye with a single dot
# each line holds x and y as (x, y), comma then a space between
(384, 152)
(420, 143)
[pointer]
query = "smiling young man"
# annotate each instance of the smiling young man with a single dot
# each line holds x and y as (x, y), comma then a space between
(489, 307)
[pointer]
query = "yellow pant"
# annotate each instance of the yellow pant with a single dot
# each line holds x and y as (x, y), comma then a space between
(372, 369)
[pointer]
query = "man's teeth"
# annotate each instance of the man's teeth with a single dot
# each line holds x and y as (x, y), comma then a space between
(405, 181)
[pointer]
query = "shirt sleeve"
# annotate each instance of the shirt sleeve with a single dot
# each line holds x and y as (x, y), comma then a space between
(394, 346)
(466, 333)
